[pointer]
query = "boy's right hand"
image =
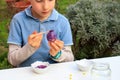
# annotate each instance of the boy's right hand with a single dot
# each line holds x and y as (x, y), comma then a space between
(35, 39)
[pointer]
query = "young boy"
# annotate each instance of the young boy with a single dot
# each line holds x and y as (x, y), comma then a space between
(28, 42)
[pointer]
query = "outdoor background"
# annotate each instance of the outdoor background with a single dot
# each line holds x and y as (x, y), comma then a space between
(84, 45)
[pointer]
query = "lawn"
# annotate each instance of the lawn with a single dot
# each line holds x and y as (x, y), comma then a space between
(5, 17)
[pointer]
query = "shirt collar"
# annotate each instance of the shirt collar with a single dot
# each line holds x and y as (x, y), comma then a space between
(53, 16)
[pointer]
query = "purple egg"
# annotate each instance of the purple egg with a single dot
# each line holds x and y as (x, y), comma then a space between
(51, 36)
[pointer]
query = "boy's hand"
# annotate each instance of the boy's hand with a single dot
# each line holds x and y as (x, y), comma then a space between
(55, 46)
(35, 39)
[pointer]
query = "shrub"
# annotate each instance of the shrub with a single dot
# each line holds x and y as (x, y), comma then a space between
(96, 28)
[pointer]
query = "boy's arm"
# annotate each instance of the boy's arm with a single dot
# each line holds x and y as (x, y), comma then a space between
(66, 55)
(17, 55)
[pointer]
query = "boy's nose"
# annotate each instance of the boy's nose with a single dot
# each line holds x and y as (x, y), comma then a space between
(45, 5)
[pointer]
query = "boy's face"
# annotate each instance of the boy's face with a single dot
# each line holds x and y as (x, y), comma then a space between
(42, 8)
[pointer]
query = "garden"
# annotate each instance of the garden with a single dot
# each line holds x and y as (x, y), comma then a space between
(95, 27)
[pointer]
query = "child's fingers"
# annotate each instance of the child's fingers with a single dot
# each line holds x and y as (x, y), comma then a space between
(55, 47)
(59, 43)
(34, 32)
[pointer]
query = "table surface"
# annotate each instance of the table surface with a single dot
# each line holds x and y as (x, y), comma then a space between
(60, 71)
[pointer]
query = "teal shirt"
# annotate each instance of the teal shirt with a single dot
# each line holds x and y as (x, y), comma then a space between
(23, 24)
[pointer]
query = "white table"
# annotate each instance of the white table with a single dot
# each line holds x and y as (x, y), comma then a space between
(60, 71)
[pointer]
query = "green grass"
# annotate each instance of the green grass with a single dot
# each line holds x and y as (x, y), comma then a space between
(3, 32)
(63, 4)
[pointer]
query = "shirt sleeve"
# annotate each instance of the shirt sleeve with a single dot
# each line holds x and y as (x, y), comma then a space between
(15, 32)
(17, 55)
(66, 56)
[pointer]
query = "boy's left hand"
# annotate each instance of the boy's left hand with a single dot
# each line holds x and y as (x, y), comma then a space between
(55, 46)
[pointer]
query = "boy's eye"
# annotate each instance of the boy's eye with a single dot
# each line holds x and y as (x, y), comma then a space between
(42, 0)
(39, 0)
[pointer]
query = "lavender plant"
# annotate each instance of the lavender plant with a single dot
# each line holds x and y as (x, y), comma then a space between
(95, 26)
